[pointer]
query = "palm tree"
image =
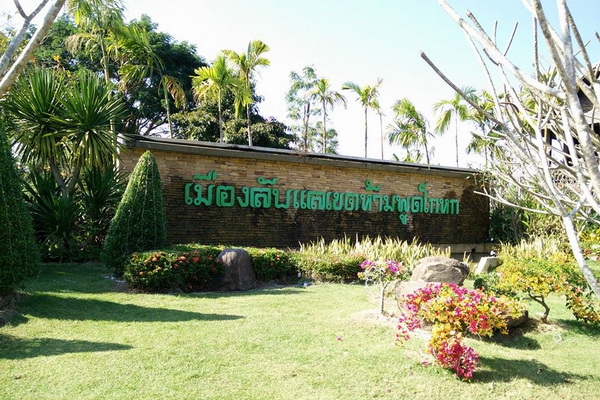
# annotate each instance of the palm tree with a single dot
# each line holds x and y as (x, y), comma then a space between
(484, 140)
(300, 105)
(323, 93)
(214, 81)
(409, 128)
(366, 96)
(246, 63)
(455, 108)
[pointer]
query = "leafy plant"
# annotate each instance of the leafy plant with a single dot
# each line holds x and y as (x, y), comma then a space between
(270, 264)
(540, 267)
(19, 255)
(328, 267)
(140, 221)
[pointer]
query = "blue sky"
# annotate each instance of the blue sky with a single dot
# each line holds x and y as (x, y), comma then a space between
(357, 41)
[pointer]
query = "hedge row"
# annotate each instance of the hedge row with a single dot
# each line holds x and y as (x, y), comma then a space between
(194, 267)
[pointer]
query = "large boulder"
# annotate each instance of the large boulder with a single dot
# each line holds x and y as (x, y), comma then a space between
(238, 273)
(440, 269)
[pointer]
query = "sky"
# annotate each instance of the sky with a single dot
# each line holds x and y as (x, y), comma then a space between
(358, 41)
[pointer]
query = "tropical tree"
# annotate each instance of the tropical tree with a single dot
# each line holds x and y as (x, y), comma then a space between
(409, 129)
(324, 94)
(301, 106)
(246, 63)
(482, 141)
(455, 109)
(64, 126)
(367, 96)
(217, 80)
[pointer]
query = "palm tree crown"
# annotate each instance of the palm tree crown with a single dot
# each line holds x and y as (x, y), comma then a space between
(455, 108)
(214, 81)
(409, 129)
(246, 63)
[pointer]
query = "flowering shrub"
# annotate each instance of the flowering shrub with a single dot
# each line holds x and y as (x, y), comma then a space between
(270, 264)
(455, 311)
(381, 272)
(191, 270)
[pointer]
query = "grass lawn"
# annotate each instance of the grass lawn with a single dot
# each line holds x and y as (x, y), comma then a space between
(76, 338)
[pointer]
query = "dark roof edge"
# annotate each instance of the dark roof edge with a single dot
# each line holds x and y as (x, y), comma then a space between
(264, 153)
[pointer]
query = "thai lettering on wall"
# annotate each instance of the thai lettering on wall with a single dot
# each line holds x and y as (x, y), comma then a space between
(268, 196)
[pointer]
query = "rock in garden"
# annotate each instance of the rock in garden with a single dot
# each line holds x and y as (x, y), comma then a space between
(440, 269)
(485, 264)
(238, 273)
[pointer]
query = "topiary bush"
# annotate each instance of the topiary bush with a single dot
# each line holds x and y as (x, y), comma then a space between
(140, 221)
(19, 254)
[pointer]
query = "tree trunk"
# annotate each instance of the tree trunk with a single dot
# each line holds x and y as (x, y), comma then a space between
(220, 121)
(249, 129)
(324, 129)
(366, 137)
(381, 128)
(17, 67)
(456, 138)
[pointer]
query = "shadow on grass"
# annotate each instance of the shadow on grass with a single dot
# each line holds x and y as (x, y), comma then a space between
(494, 369)
(12, 348)
(580, 327)
(515, 341)
(70, 308)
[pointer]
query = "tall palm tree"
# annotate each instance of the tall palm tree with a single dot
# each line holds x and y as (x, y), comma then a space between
(484, 140)
(300, 105)
(409, 129)
(214, 81)
(246, 63)
(454, 109)
(323, 93)
(366, 96)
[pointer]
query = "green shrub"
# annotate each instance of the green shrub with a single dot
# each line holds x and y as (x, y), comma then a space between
(540, 267)
(270, 264)
(329, 267)
(19, 255)
(140, 222)
(188, 269)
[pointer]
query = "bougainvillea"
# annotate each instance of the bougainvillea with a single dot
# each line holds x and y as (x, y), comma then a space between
(454, 311)
(381, 273)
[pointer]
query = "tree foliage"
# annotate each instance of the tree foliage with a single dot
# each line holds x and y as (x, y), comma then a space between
(140, 221)
(19, 255)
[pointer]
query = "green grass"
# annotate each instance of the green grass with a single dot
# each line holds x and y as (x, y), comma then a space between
(75, 338)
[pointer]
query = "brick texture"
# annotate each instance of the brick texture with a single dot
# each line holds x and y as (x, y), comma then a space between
(241, 166)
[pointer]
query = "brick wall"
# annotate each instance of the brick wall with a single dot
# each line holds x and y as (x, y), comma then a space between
(240, 166)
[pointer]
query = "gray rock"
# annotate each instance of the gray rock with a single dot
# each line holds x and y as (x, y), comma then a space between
(485, 264)
(440, 269)
(238, 272)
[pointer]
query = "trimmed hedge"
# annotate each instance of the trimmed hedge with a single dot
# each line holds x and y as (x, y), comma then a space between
(140, 221)
(194, 269)
(270, 264)
(329, 267)
(19, 254)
